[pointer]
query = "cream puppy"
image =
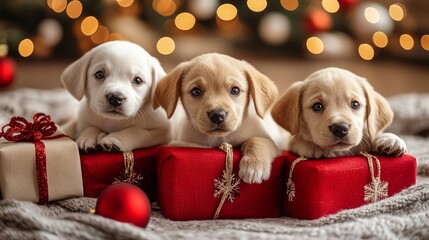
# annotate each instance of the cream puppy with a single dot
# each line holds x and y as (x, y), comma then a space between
(116, 82)
(334, 113)
(223, 99)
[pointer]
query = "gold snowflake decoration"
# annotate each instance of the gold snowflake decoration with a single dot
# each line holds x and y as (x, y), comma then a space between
(227, 185)
(128, 176)
(376, 190)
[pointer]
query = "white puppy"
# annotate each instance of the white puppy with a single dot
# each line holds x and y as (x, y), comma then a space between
(333, 113)
(116, 81)
(223, 99)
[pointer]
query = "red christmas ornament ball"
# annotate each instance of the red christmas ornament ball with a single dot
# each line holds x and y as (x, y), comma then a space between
(317, 20)
(124, 202)
(7, 71)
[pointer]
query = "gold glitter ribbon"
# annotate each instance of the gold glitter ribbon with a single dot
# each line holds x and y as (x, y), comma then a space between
(376, 189)
(129, 176)
(228, 184)
(290, 185)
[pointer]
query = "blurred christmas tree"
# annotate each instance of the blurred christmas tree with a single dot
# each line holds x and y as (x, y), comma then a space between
(317, 29)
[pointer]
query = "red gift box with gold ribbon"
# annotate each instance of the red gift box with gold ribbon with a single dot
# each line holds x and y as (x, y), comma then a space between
(319, 187)
(38, 162)
(199, 183)
(102, 169)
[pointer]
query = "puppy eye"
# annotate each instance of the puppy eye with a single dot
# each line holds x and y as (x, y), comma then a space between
(99, 75)
(355, 105)
(137, 81)
(196, 92)
(235, 91)
(317, 107)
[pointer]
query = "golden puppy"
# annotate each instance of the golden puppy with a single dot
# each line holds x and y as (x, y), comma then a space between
(223, 99)
(334, 113)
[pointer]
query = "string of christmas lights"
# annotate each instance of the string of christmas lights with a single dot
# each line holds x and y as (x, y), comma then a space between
(318, 29)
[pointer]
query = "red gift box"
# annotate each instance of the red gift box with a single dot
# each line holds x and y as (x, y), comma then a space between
(101, 169)
(186, 186)
(327, 186)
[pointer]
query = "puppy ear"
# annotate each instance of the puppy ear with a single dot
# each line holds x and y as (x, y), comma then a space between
(264, 92)
(167, 91)
(286, 111)
(157, 73)
(75, 75)
(379, 115)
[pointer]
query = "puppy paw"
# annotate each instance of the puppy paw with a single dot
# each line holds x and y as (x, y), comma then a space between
(110, 144)
(254, 170)
(389, 144)
(88, 144)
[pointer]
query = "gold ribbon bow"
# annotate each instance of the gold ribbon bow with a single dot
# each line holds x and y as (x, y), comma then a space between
(376, 189)
(290, 185)
(228, 184)
(129, 176)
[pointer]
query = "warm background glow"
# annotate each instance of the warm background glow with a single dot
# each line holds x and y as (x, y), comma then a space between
(315, 45)
(227, 12)
(366, 52)
(26, 47)
(165, 45)
(184, 21)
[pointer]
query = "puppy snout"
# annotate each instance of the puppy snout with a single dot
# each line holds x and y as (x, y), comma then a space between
(115, 99)
(339, 129)
(217, 116)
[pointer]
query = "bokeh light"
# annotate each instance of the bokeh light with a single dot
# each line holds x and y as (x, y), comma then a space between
(372, 15)
(406, 41)
(424, 41)
(184, 21)
(227, 12)
(396, 12)
(89, 25)
(26, 47)
(315, 45)
(380, 39)
(165, 45)
(4, 49)
(290, 5)
(74, 9)
(114, 36)
(164, 7)
(125, 3)
(100, 35)
(366, 51)
(331, 6)
(58, 5)
(257, 5)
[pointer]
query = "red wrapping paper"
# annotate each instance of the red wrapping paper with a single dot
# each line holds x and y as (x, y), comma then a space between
(327, 186)
(186, 186)
(99, 170)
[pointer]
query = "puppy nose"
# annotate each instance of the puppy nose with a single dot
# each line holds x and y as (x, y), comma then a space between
(339, 129)
(115, 99)
(217, 116)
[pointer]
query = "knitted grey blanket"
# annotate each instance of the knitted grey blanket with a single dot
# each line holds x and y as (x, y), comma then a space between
(403, 216)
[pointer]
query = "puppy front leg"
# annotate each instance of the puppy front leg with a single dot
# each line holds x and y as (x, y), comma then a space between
(133, 138)
(389, 144)
(258, 154)
(88, 139)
